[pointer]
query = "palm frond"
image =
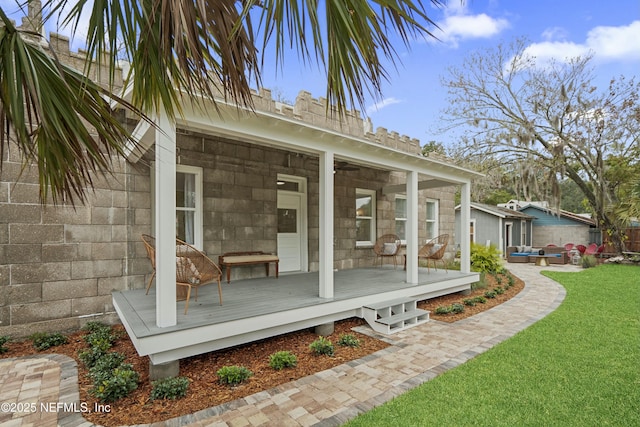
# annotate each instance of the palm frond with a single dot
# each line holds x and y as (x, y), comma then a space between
(56, 117)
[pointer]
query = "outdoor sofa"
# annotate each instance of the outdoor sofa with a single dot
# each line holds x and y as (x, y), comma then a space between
(556, 254)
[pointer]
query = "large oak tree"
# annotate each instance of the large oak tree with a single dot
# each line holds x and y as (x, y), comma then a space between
(549, 121)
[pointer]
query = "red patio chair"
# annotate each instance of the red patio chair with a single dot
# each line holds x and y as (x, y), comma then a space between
(592, 249)
(599, 251)
(568, 246)
(581, 249)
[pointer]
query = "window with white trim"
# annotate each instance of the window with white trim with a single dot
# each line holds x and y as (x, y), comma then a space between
(188, 204)
(401, 218)
(365, 217)
(432, 218)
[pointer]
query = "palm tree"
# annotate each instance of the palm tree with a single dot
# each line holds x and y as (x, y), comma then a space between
(176, 49)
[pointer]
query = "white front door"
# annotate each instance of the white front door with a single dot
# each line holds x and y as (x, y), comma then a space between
(290, 236)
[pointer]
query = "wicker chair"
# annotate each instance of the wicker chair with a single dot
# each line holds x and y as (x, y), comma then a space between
(387, 246)
(434, 251)
(193, 268)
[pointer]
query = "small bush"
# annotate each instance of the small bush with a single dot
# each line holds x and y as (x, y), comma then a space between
(485, 258)
(588, 261)
(443, 309)
(169, 388)
(104, 365)
(498, 290)
(322, 346)
(348, 340)
(457, 308)
(101, 336)
(480, 299)
(94, 326)
(44, 340)
(490, 294)
(112, 385)
(90, 357)
(233, 375)
(282, 359)
(510, 280)
(469, 301)
(3, 341)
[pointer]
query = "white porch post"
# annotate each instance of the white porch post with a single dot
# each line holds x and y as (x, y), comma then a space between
(326, 225)
(165, 213)
(465, 220)
(412, 227)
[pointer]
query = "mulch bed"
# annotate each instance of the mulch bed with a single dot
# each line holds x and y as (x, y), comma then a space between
(205, 391)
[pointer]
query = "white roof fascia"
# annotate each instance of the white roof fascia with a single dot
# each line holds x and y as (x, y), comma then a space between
(290, 134)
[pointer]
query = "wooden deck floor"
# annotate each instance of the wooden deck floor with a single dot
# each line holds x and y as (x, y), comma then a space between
(255, 297)
(270, 306)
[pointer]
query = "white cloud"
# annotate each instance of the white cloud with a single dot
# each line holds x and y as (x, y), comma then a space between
(615, 43)
(382, 104)
(459, 25)
(608, 44)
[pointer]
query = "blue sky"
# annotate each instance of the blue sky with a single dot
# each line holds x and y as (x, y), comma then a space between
(413, 99)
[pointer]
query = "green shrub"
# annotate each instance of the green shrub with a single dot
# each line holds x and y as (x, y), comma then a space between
(282, 359)
(457, 308)
(101, 336)
(90, 357)
(169, 388)
(490, 294)
(105, 364)
(485, 258)
(95, 326)
(3, 341)
(109, 386)
(498, 290)
(44, 340)
(588, 261)
(443, 309)
(348, 340)
(475, 300)
(322, 346)
(510, 280)
(480, 299)
(233, 375)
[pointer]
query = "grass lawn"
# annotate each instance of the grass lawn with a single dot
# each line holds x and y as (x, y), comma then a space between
(579, 366)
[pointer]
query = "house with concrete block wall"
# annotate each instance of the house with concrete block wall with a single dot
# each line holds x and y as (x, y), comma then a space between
(284, 179)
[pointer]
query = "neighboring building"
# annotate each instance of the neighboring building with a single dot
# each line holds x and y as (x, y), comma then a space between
(284, 179)
(560, 227)
(497, 226)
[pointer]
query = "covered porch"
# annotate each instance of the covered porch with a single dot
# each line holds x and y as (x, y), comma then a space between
(259, 308)
(155, 322)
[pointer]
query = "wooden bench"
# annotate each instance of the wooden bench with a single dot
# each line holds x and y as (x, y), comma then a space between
(247, 258)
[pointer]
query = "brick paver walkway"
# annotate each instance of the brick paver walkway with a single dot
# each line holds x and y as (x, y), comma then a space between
(328, 398)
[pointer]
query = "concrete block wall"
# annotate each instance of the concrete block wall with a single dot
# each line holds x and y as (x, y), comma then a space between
(59, 264)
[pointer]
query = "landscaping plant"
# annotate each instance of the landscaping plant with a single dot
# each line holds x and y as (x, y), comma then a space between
(233, 375)
(282, 359)
(169, 388)
(44, 341)
(3, 341)
(322, 346)
(348, 340)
